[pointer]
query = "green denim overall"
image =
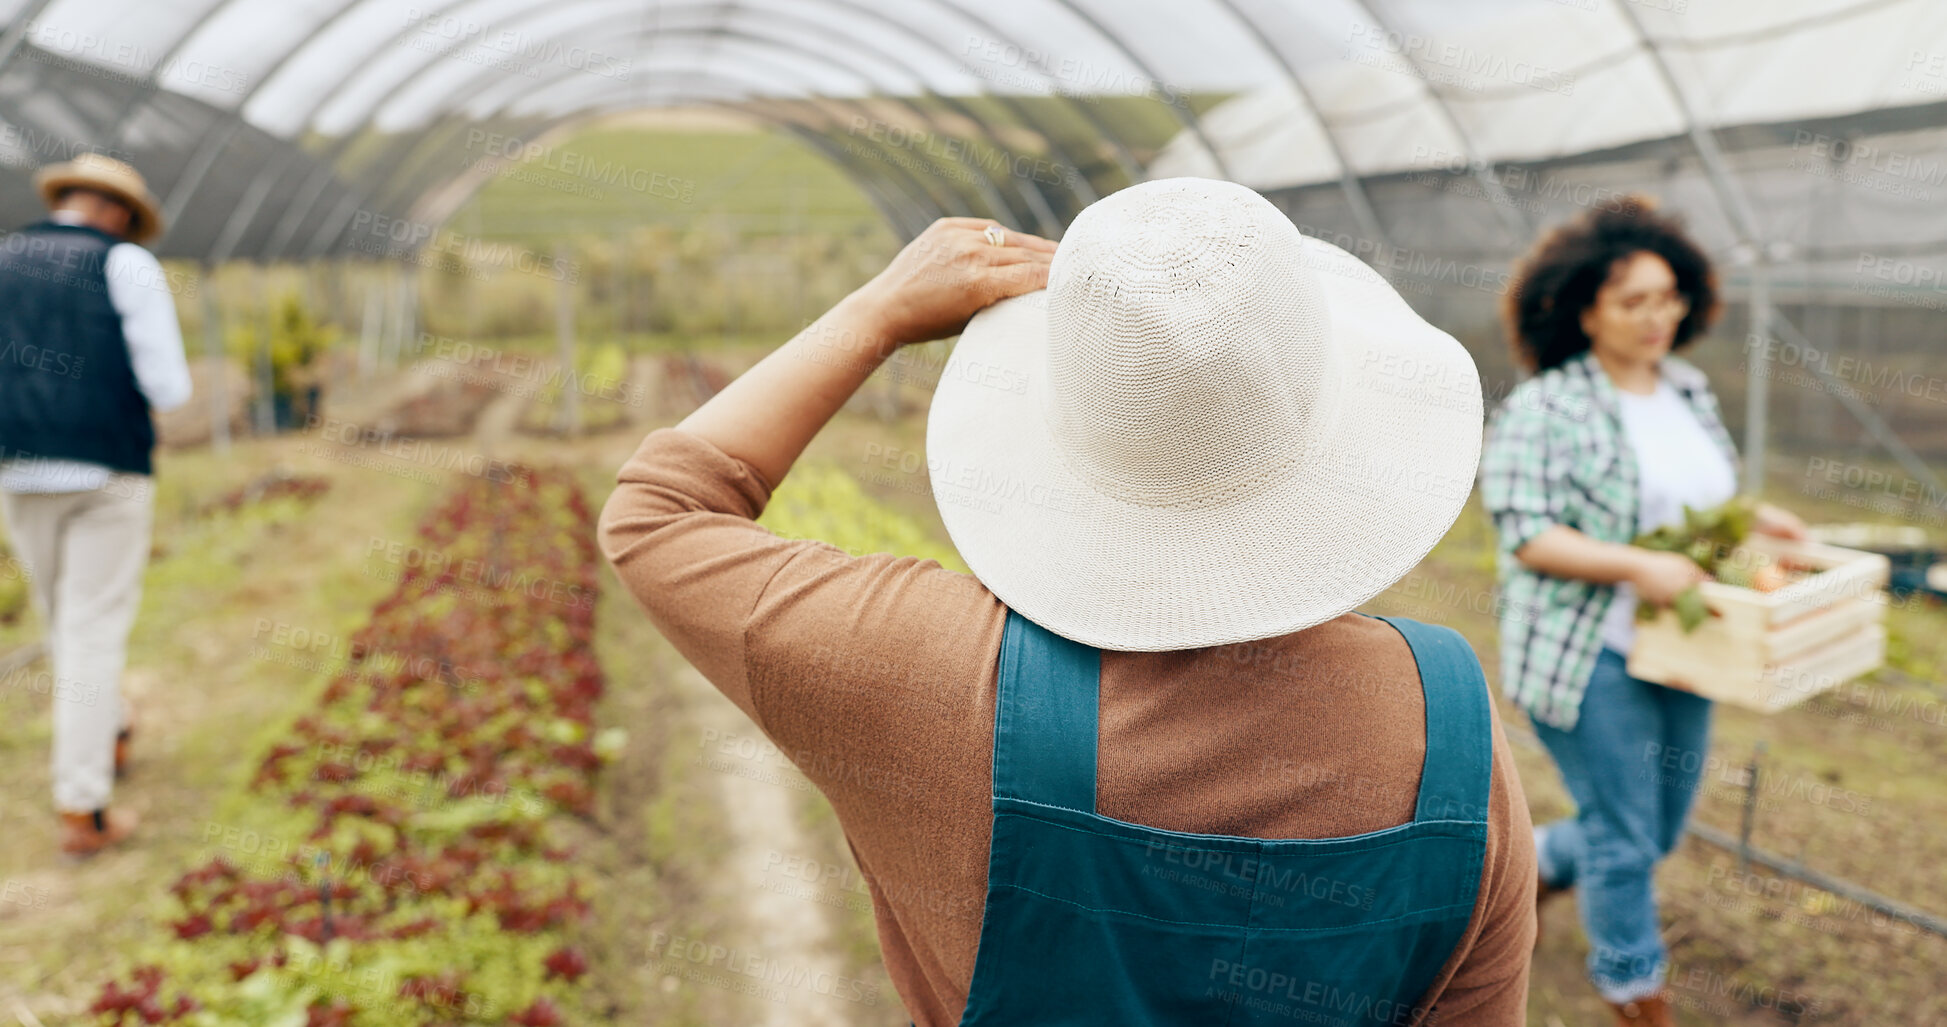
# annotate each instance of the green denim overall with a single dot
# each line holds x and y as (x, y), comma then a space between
(1091, 920)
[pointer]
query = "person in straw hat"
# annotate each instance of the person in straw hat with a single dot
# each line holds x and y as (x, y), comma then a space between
(1145, 765)
(89, 345)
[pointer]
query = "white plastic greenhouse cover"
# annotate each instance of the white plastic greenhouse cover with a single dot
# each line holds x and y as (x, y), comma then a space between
(1806, 140)
(1270, 92)
(1545, 80)
(329, 105)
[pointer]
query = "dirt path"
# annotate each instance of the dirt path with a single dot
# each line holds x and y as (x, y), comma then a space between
(498, 421)
(759, 804)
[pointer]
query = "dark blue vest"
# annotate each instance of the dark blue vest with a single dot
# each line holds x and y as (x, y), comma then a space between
(67, 385)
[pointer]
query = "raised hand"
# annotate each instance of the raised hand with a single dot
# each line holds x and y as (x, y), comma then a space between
(946, 275)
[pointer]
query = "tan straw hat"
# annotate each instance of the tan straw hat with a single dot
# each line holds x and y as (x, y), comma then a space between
(108, 175)
(1209, 428)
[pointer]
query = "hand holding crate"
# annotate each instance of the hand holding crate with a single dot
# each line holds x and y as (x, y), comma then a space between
(1804, 617)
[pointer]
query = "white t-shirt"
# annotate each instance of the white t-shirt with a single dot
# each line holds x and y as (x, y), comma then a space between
(1677, 463)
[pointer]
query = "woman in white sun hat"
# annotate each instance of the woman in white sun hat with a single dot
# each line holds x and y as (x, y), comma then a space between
(1145, 766)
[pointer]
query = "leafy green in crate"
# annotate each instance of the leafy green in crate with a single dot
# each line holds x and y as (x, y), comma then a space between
(1707, 537)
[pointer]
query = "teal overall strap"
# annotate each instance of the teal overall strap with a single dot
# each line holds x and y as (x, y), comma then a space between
(1045, 717)
(1457, 777)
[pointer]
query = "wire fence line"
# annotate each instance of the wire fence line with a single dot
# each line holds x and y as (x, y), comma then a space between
(1740, 846)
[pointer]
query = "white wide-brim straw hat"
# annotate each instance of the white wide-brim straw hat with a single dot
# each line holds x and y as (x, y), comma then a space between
(1209, 428)
(108, 175)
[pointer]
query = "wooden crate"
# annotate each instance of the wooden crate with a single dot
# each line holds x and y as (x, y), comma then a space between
(1770, 650)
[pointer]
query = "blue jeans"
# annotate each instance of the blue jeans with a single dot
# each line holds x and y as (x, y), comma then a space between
(1632, 765)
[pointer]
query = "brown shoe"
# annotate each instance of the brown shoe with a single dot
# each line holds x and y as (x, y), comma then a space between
(121, 752)
(84, 834)
(1644, 1012)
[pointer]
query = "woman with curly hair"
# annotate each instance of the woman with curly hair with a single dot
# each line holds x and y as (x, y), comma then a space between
(1612, 436)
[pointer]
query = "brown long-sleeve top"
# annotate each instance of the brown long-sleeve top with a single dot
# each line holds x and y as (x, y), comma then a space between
(876, 675)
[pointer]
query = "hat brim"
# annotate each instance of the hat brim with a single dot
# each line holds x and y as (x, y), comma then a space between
(145, 219)
(1399, 443)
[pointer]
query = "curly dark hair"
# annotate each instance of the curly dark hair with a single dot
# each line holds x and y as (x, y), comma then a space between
(1557, 281)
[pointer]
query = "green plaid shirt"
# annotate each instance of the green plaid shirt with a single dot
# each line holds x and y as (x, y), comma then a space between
(1556, 454)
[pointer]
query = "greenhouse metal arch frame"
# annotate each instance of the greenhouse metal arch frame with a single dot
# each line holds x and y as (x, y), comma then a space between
(1349, 85)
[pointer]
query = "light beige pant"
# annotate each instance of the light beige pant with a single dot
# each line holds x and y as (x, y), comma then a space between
(84, 553)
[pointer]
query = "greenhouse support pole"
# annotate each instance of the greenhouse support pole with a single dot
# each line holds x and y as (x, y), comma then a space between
(389, 325)
(409, 310)
(569, 418)
(1757, 369)
(399, 325)
(619, 281)
(219, 380)
(370, 329)
(266, 372)
(795, 226)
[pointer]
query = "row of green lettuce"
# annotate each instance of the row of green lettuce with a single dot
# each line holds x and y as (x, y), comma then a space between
(398, 858)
